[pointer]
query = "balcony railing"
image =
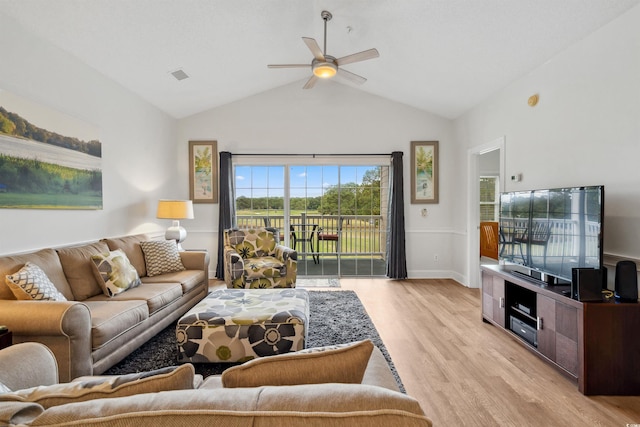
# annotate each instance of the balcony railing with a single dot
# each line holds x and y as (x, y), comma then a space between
(562, 237)
(359, 235)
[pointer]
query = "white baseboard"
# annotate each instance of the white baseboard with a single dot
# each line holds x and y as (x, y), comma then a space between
(438, 274)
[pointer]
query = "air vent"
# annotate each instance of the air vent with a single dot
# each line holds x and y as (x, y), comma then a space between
(180, 75)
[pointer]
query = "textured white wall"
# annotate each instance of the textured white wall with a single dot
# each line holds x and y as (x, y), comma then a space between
(138, 146)
(335, 118)
(585, 129)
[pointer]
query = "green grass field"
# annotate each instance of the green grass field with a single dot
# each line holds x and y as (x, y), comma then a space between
(50, 201)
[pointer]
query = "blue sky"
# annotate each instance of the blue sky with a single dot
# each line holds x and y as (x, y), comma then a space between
(306, 181)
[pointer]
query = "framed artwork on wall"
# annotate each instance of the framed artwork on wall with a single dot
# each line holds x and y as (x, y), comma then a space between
(203, 171)
(49, 160)
(424, 172)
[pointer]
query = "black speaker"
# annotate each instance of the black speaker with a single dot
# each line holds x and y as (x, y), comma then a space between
(626, 282)
(586, 284)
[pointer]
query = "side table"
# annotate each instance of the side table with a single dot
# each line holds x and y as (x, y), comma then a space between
(6, 337)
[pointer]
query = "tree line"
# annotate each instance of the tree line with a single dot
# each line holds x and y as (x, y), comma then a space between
(344, 199)
(14, 125)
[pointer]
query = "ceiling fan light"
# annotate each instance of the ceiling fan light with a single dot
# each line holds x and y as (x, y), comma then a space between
(325, 70)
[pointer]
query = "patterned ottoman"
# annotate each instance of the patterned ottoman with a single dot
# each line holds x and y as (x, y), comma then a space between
(235, 325)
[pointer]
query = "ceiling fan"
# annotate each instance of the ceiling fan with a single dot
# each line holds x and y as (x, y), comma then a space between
(326, 66)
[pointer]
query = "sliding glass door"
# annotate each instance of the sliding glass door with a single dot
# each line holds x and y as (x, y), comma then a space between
(333, 215)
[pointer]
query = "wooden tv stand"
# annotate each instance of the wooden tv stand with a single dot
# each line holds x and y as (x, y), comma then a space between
(594, 343)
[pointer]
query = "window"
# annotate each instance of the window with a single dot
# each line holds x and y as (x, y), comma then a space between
(489, 198)
(305, 200)
(260, 194)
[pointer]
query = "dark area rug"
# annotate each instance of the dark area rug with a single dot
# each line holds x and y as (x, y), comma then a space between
(335, 317)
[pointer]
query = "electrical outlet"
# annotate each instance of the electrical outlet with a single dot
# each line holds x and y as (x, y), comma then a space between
(435, 258)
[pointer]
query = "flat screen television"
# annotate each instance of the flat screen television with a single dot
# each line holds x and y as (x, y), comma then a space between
(552, 231)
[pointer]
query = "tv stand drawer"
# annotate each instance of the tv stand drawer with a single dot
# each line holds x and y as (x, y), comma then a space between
(526, 332)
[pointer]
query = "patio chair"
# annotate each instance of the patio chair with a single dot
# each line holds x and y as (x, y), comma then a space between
(324, 236)
(304, 233)
(509, 241)
(538, 235)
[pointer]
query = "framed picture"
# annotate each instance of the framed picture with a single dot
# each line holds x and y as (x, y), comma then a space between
(203, 171)
(424, 171)
(49, 160)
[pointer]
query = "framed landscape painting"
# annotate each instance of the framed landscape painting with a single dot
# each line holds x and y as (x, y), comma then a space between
(203, 171)
(424, 171)
(48, 160)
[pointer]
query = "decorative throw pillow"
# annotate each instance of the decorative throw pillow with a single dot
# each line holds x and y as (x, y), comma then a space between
(171, 378)
(31, 283)
(341, 364)
(114, 272)
(161, 256)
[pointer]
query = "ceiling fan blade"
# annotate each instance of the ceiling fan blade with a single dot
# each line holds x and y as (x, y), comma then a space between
(348, 75)
(288, 65)
(356, 57)
(311, 82)
(314, 48)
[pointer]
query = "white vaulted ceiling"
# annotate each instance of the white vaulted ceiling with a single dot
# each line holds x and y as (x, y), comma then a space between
(441, 56)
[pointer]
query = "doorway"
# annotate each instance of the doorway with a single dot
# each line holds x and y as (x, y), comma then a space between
(482, 162)
(489, 188)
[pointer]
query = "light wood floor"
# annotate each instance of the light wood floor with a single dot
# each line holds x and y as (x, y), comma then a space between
(466, 372)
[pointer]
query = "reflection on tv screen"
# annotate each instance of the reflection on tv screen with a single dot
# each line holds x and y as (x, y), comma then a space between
(554, 230)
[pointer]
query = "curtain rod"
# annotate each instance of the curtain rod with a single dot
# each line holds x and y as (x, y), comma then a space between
(312, 155)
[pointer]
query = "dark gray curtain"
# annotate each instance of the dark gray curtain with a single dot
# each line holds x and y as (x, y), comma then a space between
(227, 216)
(396, 251)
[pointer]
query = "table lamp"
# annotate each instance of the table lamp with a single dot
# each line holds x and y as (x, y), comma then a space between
(175, 210)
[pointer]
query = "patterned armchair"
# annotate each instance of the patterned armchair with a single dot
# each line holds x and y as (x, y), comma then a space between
(254, 258)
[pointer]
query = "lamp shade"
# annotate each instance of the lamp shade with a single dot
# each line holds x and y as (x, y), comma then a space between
(175, 209)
